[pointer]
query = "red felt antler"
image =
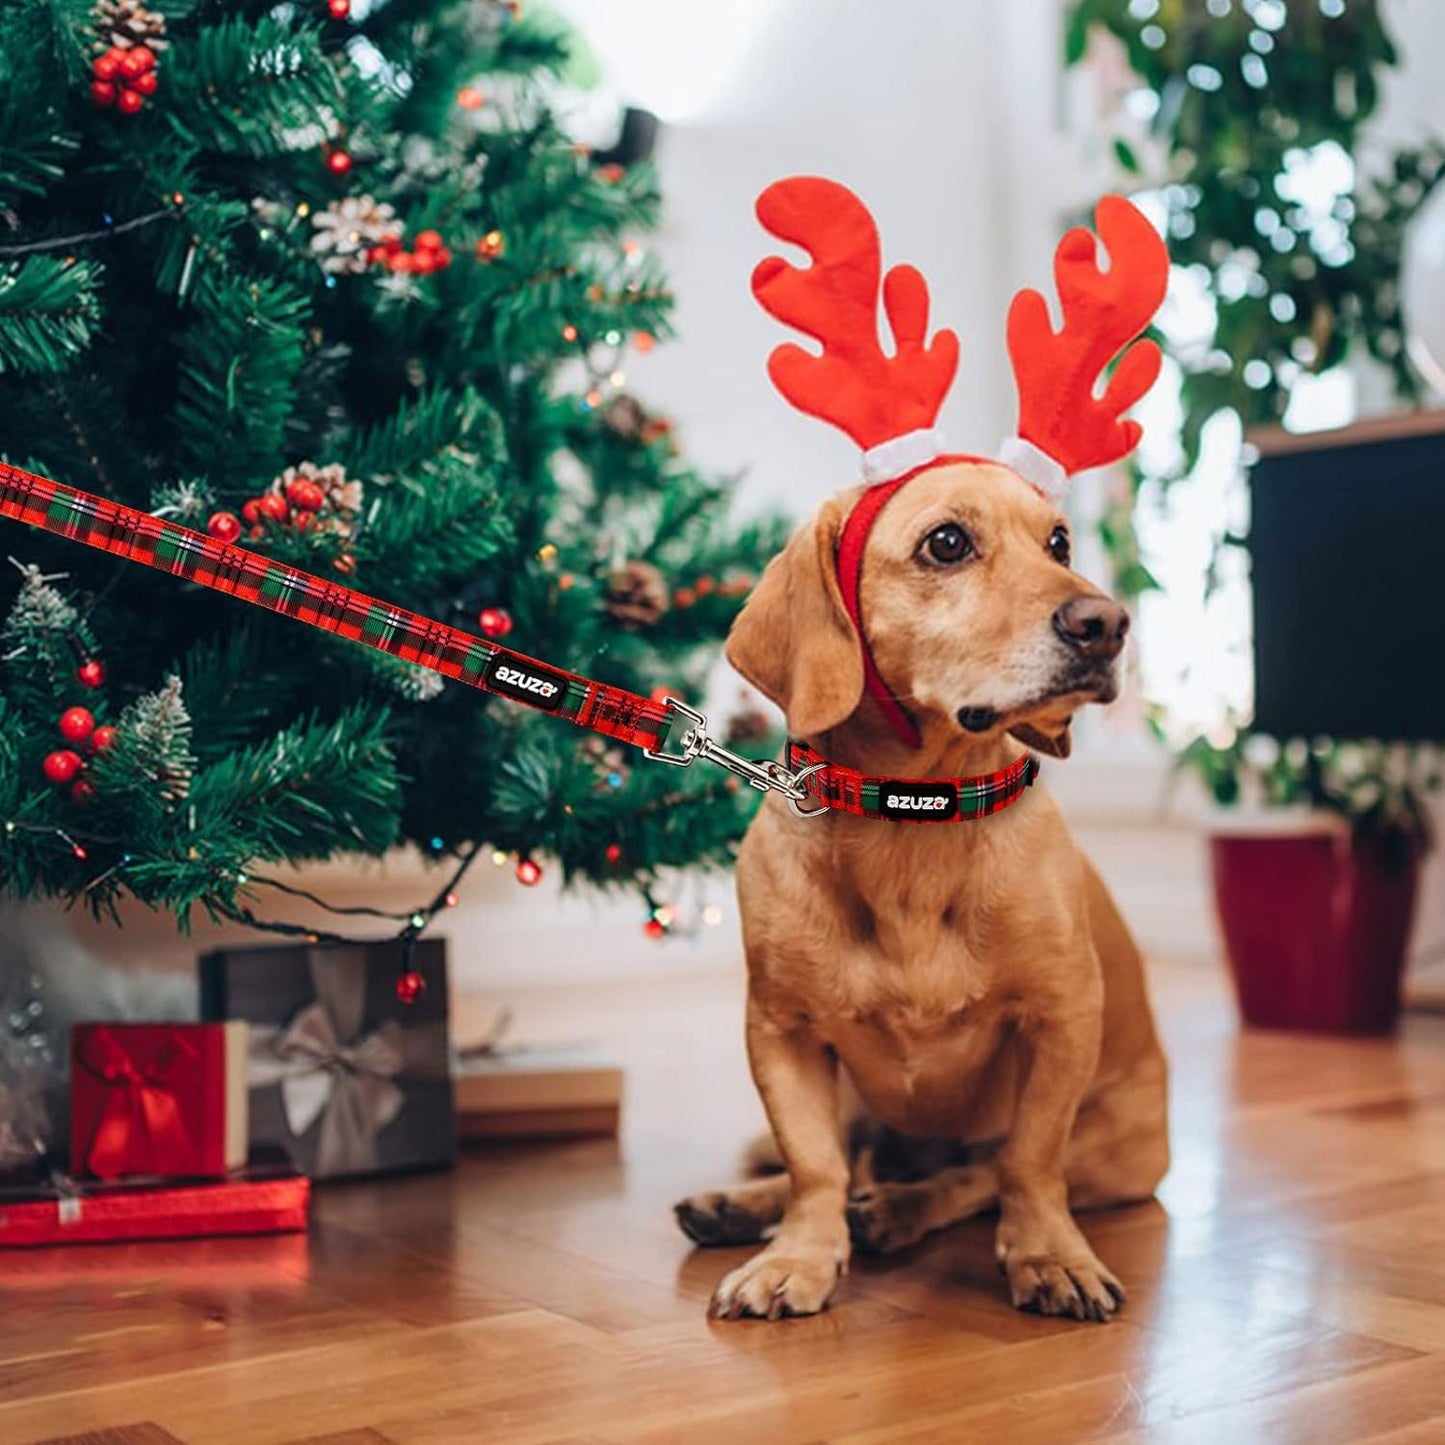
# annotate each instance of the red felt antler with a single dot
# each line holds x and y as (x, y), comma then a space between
(1057, 371)
(854, 384)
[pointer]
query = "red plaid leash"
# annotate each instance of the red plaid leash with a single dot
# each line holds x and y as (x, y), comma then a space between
(645, 722)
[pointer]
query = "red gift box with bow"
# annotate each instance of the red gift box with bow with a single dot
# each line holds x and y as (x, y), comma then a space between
(157, 1100)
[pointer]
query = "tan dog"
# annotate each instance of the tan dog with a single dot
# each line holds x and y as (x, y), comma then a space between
(974, 980)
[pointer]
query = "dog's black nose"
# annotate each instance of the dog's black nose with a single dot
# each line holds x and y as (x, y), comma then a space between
(1093, 626)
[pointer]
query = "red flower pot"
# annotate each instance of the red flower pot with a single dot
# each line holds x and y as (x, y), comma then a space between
(1315, 927)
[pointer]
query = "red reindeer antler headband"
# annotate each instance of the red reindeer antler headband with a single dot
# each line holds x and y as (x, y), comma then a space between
(889, 405)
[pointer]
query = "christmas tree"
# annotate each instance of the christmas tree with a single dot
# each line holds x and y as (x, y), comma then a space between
(332, 280)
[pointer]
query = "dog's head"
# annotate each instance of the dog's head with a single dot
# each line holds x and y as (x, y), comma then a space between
(945, 589)
(971, 609)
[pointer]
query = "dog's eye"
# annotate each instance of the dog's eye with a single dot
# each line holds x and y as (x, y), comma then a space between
(948, 544)
(1059, 547)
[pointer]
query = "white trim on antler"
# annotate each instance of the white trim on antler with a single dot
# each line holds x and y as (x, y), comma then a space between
(1035, 466)
(898, 455)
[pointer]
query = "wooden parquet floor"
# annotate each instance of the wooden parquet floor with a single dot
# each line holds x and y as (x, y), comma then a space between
(1289, 1285)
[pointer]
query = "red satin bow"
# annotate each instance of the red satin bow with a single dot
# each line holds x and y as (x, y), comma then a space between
(140, 1129)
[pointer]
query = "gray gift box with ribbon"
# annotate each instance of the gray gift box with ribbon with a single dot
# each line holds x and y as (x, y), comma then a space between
(340, 1072)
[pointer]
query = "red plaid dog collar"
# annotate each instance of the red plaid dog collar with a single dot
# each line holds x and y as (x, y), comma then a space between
(910, 800)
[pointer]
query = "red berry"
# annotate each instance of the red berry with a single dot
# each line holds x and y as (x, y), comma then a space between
(613, 852)
(611, 173)
(305, 494)
(338, 161)
(338, 9)
(345, 563)
(91, 673)
(136, 61)
(104, 67)
(147, 83)
(224, 526)
(410, 986)
(62, 767)
(424, 262)
(529, 872)
(494, 621)
(102, 739)
(402, 261)
(102, 92)
(76, 724)
(82, 791)
(256, 532)
(427, 241)
(273, 507)
(443, 257)
(129, 101)
(303, 521)
(251, 512)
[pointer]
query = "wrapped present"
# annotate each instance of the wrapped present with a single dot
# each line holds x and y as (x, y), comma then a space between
(264, 1198)
(347, 1072)
(163, 1100)
(570, 1090)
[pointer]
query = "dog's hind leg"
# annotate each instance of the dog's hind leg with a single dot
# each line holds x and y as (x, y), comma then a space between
(890, 1216)
(744, 1213)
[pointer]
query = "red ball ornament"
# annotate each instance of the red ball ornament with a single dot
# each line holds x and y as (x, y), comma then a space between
(251, 512)
(136, 61)
(63, 766)
(82, 791)
(338, 161)
(129, 101)
(494, 621)
(529, 872)
(76, 724)
(410, 986)
(102, 92)
(338, 9)
(273, 507)
(613, 852)
(224, 526)
(102, 739)
(305, 494)
(655, 928)
(91, 673)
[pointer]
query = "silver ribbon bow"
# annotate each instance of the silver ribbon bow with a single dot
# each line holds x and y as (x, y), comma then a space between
(327, 1071)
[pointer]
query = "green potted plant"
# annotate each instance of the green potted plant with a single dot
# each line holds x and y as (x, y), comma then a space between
(1316, 857)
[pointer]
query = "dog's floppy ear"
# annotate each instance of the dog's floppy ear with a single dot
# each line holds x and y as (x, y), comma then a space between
(1057, 745)
(794, 640)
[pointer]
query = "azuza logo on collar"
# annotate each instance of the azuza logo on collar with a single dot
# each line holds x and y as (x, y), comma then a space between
(903, 798)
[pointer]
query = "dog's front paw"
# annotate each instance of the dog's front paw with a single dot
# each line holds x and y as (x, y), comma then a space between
(796, 1280)
(1078, 1284)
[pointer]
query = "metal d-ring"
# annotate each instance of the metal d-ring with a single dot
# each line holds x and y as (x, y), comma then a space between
(798, 783)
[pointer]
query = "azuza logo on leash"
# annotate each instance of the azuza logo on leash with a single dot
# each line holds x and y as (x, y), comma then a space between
(536, 685)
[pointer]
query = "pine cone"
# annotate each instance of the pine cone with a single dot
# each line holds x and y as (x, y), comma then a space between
(637, 594)
(127, 22)
(749, 724)
(625, 418)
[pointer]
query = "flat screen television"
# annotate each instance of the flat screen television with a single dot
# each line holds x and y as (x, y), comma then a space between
(1347, 554)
